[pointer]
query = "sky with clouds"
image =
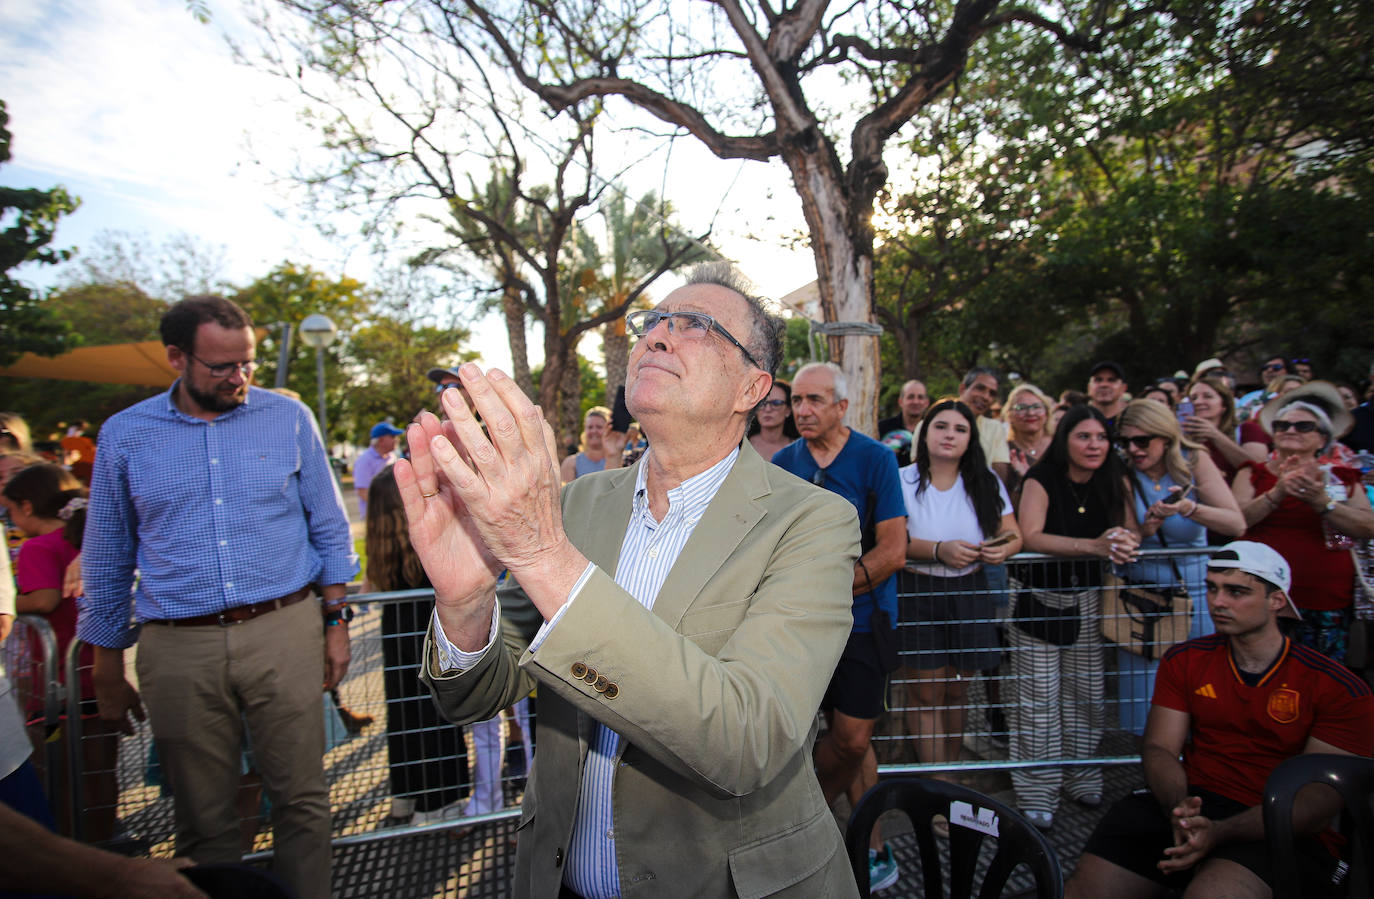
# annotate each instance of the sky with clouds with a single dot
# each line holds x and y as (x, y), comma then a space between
(142, 112)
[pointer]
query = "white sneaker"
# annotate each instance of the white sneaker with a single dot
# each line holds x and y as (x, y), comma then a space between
(451, 812)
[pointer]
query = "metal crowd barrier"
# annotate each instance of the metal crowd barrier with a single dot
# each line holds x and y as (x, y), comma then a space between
(359, 771)
(992, 709)
(24, 666)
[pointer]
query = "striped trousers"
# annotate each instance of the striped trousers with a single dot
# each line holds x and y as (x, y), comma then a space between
(1059, 707)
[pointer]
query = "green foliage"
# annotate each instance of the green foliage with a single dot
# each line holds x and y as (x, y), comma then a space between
(1159, 203)
(101, 314)
(290, 293)
(29, 218)
(392, 354)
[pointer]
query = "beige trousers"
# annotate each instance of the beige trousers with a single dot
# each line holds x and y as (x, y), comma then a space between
(200, 685)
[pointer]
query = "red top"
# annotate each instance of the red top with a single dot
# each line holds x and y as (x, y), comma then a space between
(1323, 579)
(1249, 432)
(1240, 734)
(41, 565)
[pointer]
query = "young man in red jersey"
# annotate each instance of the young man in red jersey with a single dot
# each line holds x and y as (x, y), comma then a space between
(1234, 705)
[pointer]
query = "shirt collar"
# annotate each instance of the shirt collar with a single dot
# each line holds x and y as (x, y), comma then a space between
(692, 496)
(176, 412)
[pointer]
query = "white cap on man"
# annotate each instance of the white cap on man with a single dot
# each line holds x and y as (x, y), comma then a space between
(1262, 561)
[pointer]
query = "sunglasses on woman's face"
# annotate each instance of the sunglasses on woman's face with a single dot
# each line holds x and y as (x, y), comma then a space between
(1302, 427)
(774, 404)
(1140, 441)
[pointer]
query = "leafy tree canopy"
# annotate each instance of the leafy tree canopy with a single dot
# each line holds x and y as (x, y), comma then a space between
(28, 219)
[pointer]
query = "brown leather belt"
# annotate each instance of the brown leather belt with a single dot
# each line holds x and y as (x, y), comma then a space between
(236, 615)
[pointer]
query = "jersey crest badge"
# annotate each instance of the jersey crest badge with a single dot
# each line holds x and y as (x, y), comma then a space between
(1283, 705)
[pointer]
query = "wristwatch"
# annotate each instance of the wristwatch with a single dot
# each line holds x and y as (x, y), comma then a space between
(341, 615)
(1330, 504)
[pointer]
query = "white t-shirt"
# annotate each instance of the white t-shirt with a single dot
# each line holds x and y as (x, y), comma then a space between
(943, 515)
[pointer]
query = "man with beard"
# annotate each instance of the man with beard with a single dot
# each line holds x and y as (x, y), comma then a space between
(220, 496)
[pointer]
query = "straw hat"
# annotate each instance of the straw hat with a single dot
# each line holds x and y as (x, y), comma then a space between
(1322, 394)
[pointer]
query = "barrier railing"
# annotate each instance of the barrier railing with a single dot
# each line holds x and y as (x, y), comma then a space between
(36, 674)
(433, 768)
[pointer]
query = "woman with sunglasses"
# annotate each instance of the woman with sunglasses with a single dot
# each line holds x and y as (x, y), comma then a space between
(1076, 505)
(959, 518)
(1179, 495)
(1310, 513)
(773, 427)
(1029, 432)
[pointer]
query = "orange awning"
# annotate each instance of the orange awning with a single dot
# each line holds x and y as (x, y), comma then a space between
(143, 363)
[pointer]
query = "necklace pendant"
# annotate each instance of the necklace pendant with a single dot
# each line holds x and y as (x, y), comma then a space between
(1082, 510)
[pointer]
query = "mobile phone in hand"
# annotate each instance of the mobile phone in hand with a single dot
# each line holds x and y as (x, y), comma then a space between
(620, 414)
(1177, 496)
(1005, 537)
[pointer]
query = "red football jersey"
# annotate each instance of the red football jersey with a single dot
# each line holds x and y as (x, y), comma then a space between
(1240, 734)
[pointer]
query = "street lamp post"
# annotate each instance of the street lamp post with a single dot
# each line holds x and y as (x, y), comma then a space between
(318, 331)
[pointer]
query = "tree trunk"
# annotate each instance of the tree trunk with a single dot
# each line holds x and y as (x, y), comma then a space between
(615, 346)
(570, 410)
(844, 270)
(514, 308)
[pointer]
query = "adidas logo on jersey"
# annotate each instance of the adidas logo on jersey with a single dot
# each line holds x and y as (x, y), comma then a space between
(1207, 691)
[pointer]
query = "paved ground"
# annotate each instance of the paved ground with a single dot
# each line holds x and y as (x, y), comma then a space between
(374, 857)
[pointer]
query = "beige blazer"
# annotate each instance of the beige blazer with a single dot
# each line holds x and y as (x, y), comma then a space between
(715, 692)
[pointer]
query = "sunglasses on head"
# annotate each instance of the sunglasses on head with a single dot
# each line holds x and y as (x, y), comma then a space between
(1302, 427)
(1140, 441)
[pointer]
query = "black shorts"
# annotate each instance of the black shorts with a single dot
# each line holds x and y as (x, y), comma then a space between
(859, 685)
(948, 622)
(1135, 832)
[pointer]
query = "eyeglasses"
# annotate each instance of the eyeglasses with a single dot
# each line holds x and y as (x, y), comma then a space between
(774, 404)
(1023, 408)
(1302, 427)
(1274, 366)
(226, 369)
(687, 325)
(1140, 441)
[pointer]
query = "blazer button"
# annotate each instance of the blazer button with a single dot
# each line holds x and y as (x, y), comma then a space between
(601, 684)
(558, 858)
(612, 691)
(579, 670)
(590, 676)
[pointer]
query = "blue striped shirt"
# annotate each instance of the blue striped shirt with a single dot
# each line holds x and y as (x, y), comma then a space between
(647, 554)
(211, 514)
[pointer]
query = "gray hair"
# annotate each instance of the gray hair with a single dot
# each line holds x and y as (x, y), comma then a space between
(978, 371)
(764, 340)
(841, 389)
(1323, 420)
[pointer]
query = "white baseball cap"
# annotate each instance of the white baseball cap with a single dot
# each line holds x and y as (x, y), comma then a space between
(1260, 560)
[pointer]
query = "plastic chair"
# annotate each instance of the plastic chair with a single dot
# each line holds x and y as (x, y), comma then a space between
(1017, 841)
(1353, 777)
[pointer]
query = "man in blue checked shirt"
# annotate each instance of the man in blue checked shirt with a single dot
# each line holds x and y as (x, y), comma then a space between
(220, 497)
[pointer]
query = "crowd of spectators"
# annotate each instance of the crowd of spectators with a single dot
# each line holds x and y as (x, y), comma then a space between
(950, 493)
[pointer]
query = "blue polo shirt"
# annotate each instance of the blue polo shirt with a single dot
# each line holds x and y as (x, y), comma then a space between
(863, 465)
